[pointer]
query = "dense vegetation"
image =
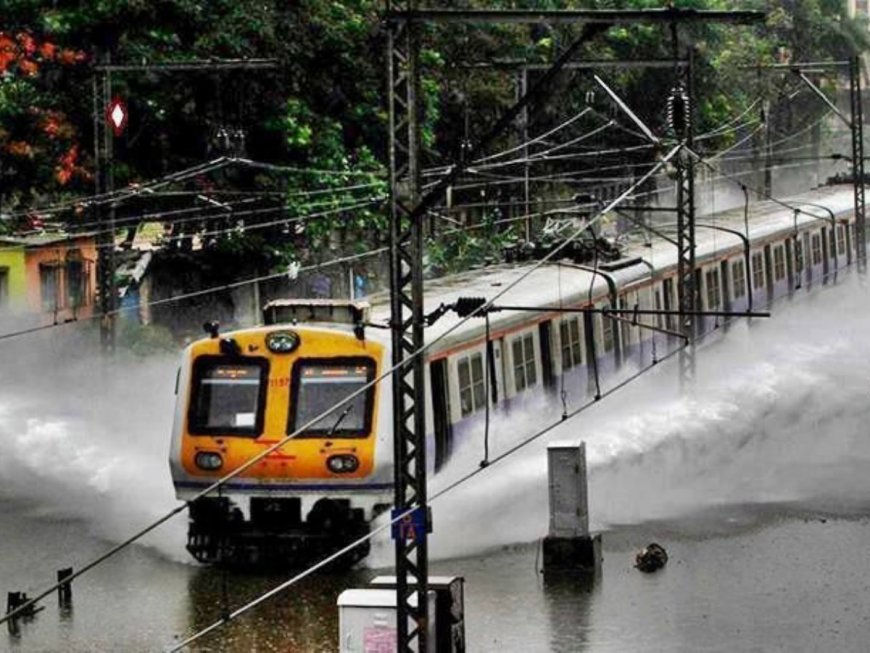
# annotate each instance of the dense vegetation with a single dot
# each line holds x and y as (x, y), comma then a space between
(324, 108)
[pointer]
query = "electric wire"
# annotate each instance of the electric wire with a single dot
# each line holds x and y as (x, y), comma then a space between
(282, 441)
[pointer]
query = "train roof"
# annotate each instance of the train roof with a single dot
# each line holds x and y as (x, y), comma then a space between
(562, 283)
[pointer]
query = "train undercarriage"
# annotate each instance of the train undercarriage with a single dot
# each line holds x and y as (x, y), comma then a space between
(275, 535)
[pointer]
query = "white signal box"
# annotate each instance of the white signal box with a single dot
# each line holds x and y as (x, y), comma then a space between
(367, 621)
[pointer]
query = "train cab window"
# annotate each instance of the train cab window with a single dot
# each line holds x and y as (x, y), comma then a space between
(758, 270)
(778, 263)
(816, 248)
(319, 384)
(572, 343)
(472, 389)
(738, 279)
(229, 396)
(525, 374)
(711, 278)
(841, 239)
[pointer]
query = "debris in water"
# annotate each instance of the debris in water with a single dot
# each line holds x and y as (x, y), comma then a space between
(651, 558)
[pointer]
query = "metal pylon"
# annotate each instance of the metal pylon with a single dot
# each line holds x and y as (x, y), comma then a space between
(406, 310)
(857, 125)
(687, 291)
(105, 210)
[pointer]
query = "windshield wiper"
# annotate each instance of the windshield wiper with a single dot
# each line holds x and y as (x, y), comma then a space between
(339, 420)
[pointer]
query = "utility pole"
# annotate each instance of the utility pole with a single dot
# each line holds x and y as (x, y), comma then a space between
(522, 89)
(406, 317)
(857, 128)
(681, 114)
(105, 218)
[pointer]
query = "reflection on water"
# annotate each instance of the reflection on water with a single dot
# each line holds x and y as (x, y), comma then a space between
(569, 601)
(304, 618)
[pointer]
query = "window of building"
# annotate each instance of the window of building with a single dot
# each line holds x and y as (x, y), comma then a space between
(48, 287)
(758, 270)
(525, 374)
(711, 277)
(778, 263)
(4, 287)
(738, 278)
(816, 248)
(841, 239)
(75, 283)
(472, 389)
(572, 346)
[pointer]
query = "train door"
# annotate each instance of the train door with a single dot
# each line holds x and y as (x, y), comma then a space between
(545, 335)
(789, 263)
(668, 294)
(726, 286)
(808, 258)
(589, 323)
(440, 411)
(768, 272)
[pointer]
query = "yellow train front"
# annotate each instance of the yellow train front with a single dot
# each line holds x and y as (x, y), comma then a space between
(240, 393)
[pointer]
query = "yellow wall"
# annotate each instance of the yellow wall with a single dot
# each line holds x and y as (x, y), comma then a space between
(12, 257)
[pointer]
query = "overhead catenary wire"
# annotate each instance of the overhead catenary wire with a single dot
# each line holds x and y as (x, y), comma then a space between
(135, 190)
(236, 229)
(282, 441)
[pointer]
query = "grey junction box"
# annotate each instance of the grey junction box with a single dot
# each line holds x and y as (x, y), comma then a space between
(367, 621)
(568, 546)
(448, 630)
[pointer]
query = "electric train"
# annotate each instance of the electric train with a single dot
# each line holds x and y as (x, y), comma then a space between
(240, 392)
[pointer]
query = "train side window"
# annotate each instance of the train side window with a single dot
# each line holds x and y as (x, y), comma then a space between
(841, 239)
(778, 263)
(472, 389)
(321, 383)
(229, 396)
(572, 342)
(758, 270)
(816, 248)
(525, 374)
(714, 296)
(738, 278)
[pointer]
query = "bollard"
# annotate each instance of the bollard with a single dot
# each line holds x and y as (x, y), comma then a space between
(569, 546)
(64, 590)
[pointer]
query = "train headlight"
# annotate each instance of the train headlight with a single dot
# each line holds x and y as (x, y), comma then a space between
(342, 464)
(282, 342)
(208, 460)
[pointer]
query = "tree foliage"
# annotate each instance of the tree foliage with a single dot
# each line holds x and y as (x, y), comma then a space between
(324, 107)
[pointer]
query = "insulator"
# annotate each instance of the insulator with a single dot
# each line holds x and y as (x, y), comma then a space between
(465, 306)
(678, 111)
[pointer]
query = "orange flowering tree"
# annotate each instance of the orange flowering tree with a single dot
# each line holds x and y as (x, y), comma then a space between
(39, 144)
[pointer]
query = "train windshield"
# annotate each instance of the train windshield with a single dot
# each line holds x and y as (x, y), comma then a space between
(228, 397)
(318, 385)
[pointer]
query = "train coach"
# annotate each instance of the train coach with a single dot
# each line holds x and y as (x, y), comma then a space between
(241, 392)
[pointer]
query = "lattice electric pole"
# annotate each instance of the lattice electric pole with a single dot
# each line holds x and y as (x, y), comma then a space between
(857, 129)
(680, 110)
(406, 311)
(105, 218)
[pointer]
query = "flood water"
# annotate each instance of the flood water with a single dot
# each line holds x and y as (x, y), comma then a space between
(756, 483)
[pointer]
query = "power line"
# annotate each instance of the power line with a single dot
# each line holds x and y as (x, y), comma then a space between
(281, 442)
